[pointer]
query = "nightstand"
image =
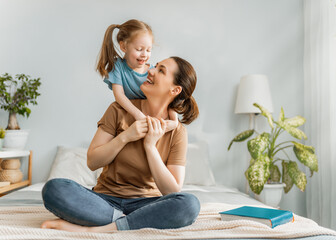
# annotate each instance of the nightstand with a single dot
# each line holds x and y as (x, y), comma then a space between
(10, 154)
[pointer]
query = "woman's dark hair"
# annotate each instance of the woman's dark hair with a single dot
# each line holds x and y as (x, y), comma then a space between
(127, 31)
(184, 103)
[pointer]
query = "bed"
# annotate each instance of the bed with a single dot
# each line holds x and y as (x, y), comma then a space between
(22, 211)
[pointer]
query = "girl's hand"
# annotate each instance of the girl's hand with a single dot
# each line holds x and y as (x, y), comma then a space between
(137, 130)
(173, 122)
(156, 129)
(171, 125)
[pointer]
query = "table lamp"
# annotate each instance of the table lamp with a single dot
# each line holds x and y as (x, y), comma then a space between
(253, 88)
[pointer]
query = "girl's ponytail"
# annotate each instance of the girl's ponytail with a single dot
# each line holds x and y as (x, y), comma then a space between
(184, 103)
(107, 54)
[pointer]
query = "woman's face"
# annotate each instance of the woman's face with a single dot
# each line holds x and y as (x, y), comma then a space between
(160, 80)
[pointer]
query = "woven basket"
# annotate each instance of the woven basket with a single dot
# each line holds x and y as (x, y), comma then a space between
(12, 176)
(12, 164)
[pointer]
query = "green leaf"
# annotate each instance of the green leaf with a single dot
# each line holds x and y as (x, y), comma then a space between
(306, 155)
(282, 115)
(286, 178)
(257, 145)
(266, 114)
(290, 125)
(275, 174)
(252, 161)
(258, 173)
(298, 177)
(295, 132)
(2, 133)
(295, 121)
(241, 137)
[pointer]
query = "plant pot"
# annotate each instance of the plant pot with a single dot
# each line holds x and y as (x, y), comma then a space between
(15, 139)
(271, 194)
(1, 143)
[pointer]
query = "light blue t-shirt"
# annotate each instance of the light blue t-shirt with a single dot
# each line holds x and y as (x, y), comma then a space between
(128, 78)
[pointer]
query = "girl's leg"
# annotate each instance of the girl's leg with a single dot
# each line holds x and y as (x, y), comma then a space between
(174, 210)
(76, 204)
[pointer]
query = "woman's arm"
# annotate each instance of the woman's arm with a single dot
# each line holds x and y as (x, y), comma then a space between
(104, 147)
(169, 178)
(121, 98)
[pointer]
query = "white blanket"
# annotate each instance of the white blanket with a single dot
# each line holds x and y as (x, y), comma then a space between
(24, 223)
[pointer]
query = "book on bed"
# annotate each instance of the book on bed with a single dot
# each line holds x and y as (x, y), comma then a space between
(270, 217)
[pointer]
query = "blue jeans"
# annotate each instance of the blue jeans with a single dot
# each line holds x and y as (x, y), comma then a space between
(79, 205)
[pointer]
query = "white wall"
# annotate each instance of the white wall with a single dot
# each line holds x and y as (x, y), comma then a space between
(223, 39)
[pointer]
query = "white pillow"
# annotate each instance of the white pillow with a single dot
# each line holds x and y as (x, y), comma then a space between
(71, 163)
(198, 170)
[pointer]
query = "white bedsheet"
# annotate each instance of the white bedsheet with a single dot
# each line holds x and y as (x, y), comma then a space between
(22, 213)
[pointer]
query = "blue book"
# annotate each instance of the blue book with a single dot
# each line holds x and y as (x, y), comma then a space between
(270, 217)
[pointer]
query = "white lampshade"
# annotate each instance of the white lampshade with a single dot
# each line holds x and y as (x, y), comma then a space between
(253, 88)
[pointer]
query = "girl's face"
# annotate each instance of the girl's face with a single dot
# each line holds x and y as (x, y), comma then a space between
(160, 80)
(138, 51)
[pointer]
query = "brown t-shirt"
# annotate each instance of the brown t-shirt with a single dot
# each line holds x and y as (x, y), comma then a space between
(128, 175)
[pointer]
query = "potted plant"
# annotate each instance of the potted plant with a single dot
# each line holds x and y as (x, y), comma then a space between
(16, 93)
(2, 136)
(265, 155)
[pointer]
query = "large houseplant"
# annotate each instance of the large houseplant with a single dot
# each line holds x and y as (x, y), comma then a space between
(16, 93)
(264, 150)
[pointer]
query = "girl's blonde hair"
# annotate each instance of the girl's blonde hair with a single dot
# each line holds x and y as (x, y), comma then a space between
(108, 53)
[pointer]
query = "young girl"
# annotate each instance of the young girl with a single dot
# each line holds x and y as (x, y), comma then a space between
(124, 76)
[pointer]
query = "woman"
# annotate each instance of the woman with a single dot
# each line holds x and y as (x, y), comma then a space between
(144, 167)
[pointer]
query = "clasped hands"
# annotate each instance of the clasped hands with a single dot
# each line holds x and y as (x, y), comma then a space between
(149, 128)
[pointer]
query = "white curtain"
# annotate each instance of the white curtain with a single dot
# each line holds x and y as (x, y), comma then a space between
(320, 106)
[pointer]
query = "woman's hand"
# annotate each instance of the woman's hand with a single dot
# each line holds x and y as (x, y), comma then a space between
(137, 130)
(156, 129)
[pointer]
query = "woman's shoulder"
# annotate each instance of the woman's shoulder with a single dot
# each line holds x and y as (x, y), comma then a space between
(180, 131)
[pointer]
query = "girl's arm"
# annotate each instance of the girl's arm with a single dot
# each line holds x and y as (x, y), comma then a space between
(104, 147)
(121, 98)
(173, 122)
(169, 178)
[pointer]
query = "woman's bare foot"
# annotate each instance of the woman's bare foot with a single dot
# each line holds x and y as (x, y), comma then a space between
(63, 225)
(70, 227)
